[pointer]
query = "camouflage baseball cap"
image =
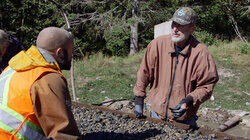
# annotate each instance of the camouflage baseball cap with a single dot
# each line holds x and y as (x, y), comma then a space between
(184, 15)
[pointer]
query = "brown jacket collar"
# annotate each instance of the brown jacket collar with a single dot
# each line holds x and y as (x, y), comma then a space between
(192, 42)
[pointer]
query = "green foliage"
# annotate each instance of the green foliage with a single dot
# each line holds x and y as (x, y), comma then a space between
(205, 37)
(113, 26)
(116, 34)
(26, 18)
(213, 16)
(117, 41)
(244, 48)
(104, 26)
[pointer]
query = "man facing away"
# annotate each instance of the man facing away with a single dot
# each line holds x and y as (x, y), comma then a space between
(34, 97)
(180, 70)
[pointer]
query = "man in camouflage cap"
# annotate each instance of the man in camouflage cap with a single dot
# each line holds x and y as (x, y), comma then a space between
(184, 16)
(180, 70)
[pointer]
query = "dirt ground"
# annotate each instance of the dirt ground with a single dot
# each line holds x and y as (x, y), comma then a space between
(207, 117)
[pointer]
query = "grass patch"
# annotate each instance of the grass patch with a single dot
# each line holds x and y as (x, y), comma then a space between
(231, 92)
(98, 76)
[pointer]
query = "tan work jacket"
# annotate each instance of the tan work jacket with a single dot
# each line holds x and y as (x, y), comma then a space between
(46, 94)
(51, 104)
(196, 75)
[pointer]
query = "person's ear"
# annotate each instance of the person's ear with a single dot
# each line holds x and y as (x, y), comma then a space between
(59, 53)
(192, 29)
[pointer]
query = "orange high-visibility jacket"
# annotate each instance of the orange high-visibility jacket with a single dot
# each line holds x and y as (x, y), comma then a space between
(17, 118)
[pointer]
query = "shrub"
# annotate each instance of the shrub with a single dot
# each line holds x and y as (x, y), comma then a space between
(204, 37)
(244, 48)
(117, 41)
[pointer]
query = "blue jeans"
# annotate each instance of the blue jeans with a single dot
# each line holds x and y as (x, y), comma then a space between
(191, 122)
(154, 115)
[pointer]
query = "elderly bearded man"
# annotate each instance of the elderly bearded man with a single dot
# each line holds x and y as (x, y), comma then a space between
(180, 70)
(34, 97)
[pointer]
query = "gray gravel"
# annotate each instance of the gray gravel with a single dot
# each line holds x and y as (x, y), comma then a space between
(100, 125)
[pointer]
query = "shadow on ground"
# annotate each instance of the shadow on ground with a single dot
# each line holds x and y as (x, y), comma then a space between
(121, 136)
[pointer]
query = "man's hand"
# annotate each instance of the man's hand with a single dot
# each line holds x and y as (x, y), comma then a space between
(181, 108)
(138, 110)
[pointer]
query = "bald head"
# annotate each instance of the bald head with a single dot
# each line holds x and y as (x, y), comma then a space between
(52, 37)
(59, 43)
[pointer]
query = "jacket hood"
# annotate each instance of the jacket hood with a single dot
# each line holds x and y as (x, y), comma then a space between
(30, 59)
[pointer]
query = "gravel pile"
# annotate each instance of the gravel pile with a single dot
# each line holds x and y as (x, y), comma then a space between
(96, 124)
(216, 116)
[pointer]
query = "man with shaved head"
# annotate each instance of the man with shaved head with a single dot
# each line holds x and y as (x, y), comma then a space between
(48, 41)
(34, 97)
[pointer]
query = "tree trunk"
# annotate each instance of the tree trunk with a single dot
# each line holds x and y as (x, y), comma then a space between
(134, 29)
(235, 26)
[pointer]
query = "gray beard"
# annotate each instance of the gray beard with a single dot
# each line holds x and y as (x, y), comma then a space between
(179, 39)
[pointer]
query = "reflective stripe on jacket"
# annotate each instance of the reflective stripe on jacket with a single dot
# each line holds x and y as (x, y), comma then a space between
(16, 109)
(17, 117)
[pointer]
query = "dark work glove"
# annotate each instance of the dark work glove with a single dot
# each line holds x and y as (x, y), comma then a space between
(138, 110)
(178, 111)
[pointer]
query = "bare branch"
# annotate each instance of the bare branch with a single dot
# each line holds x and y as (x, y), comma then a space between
(72, 61)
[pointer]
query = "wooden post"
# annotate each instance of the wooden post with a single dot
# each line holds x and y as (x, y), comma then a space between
(73, 80)
(230, 123)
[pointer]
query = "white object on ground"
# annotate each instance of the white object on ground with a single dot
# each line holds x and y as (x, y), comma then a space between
(212, 98)
(103, 91)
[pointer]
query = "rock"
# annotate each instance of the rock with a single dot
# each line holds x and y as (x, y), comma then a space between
(212, 98)
(246, 121)
(177, 134)
(213, 135)
(103, 91)
(185, 136)
(238, 112)
(118, 116)
(226, 138)
(98, 120)
(99, 111)
(126, 117)
(197, 133)
(119, 106)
